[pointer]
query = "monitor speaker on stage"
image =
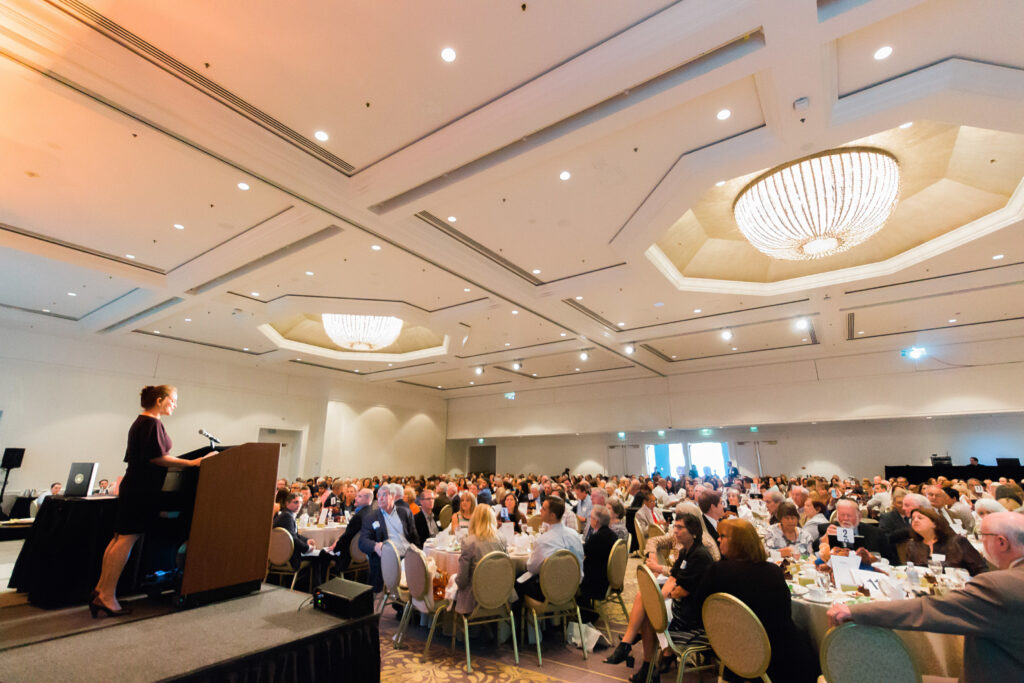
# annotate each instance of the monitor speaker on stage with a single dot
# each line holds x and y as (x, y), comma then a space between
(941, 459)
(1008, 462)
(81, 479)
(343, 598)
(12, 458)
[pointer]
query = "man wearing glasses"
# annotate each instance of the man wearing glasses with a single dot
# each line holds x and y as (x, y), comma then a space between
(988, 611)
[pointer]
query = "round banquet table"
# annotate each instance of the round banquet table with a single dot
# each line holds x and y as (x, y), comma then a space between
(324, 536)
(448, 560)
(938, 654)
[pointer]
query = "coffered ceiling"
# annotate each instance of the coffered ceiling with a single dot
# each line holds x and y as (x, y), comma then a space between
(551, 191)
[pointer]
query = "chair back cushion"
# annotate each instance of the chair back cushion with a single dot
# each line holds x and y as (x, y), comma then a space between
(390, 566)
(416, 574)
(650, 595)
(852, 653)
(355, 552)
(560, 577)
(736, 635)
(654, 530)
(444, 518)
(534, 522)
(618, 558)
(493, 580)
(641, 537)
(281, 547)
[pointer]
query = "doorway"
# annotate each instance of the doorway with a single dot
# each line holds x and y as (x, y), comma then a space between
(291, 448)
(709, 458)
(482, 459)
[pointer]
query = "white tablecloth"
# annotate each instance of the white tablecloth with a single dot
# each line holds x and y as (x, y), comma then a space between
(938, 654)
(448, 560)
(324, 536)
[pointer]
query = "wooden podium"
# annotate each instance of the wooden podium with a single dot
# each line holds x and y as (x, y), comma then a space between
(231, 522)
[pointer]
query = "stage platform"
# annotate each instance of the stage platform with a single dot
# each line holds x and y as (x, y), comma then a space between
(273, 634)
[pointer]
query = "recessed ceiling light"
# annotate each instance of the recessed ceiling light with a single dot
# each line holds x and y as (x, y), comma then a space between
(675, 356)
(465, 289)
(448, 54)
(309, 272)
(584, 355)
(452, 219)
(804, 339)
(438, 386)
(515, 312)
(508, 343)
(188, 320)
(577, 369)
(726, 335)
(131, 256)
(156, 331)
(908, 124)
(298, 359)
(46, 310)
(724, 114)
(883, 52)
(697, 310)
(952, 320)
(390, 364)
(478, 370)
(72, 294)
(179, 226)
(517, 366)
(629, 349)
(734, 348)
(536, 271)
(245, 348)
(928, 418)
(802, 324)
(720, 183)
(998, 257)
(659, 304)
(243, 186)
(860, 332)
(562, 334)
(356, 370)
(375, 247)
(321, 136)
(622, 324)
(255, 293)
(564, 175)
(534, 374)
(579, 298)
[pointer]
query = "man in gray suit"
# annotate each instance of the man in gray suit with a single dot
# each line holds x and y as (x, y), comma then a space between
(988, 612)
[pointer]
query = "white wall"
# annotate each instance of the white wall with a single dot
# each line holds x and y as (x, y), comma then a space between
(66, 400)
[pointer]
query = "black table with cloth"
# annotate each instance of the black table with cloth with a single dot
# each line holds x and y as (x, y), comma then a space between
(917, 474)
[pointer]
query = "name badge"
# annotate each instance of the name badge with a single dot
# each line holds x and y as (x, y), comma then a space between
(376, 525)
(844, 535)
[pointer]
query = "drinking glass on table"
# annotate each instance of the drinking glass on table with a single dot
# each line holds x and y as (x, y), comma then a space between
(935, 567)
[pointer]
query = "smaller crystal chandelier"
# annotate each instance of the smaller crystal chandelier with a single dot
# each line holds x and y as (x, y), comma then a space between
(362, 332)
(820, 205)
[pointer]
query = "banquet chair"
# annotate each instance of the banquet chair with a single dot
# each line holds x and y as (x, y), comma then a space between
(419, 597)
(279, 558)
(358, 563)
(391, 573)
(534, 523)
(559, 582)
(444, 517)
(843, 660)
(571, 522)
(641, 538)
(493, 583)
(618, 558)
(657, 616)
(737, 637)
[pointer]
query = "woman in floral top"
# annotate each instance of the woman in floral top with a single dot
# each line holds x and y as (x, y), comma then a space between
(788, 536)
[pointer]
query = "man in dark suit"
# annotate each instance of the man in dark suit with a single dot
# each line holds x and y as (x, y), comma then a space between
(285, 519)
(988, 611)
(848, 517)
(426, 525)
(596, 550)
(895, 524)
(442, 498)
(387, 523)
(342, 548)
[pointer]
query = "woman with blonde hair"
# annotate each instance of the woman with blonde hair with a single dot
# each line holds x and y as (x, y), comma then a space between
(464, 504)
(483, 538)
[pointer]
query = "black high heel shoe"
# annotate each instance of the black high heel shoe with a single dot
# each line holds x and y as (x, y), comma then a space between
(96, 607)
(623, 653)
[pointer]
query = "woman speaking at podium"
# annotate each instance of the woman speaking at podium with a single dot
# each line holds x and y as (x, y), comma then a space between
(138, 500)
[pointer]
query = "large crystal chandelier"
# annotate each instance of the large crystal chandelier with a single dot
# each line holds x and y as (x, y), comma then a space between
(819, 205)
(362, 332)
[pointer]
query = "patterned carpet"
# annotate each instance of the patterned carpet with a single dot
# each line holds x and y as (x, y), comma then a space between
(496, 663)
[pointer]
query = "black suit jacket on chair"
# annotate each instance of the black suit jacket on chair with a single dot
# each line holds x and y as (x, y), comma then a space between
(284, 520)
(894, 527)
(422, 530)
(343, 547)
(595, 563)
(375, 530)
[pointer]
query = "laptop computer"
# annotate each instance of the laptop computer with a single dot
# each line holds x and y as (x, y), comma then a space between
(81, 479)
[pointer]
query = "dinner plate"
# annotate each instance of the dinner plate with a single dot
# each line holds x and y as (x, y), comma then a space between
(826, 600)
(797, 589)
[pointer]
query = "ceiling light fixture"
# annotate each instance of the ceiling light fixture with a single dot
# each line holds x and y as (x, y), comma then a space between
(906, 125)
(819, 205)
(452, 219)
(952, 320)
(564, 175)
(321, 136)
(534, 374)
(188, 320)
(362, 332)
(724, 114)
(131, 256)
(659, 304)
(998, 257)
(375, 247)
(734, 348)
(517, 366)
(356, 370)
(622, 324)
(179, 226)
(726, 335)
(156, 331)
(515, 312)
(577, 369)
(883, 52)
(697, 310)
(479, 370)
(471, 382)
(46, 310)
(465, 289)
(246, 348)
(584, 355)
(720, 183)
(72, 294)
(802, 324)
(579, 298)
(508, 343)
(536, 271)
(860, 332)
(562, 334)
(243, 186)
(630, 349)
(309, 273)
(255, 293)
(448, 54)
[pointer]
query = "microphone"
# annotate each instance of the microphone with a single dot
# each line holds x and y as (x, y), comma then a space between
(208, 435)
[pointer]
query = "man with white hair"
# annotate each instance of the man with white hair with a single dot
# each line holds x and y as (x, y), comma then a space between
(895, 524)
(946, 502)
(387, 523)
(772, 498)
(798, 496)
(848, 517)
(988, 611)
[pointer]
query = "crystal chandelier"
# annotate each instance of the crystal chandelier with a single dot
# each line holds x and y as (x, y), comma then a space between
(820, 205)
(362, 332)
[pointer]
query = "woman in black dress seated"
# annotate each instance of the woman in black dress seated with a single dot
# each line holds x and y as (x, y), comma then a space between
(138, 500)
(745, 573)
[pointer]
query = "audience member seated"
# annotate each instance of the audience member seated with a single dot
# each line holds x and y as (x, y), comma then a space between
(848, 517)
(55, 489)
(895, 524)
(685, 576)
(509, 512)
(745, 573)
(426, 525)
(104, 488)
(301, 545)
(1009, 496)
(596, 551)
(465, 503)
(617, 512)
(946, 503)
(987, 611)
(444, 492)
(482, 539)
(483, 496)
(931, 535)
(342, 548)
(736, 505)
(387, 523)
(814, 515)
(772, 499)
(557, 537)
(648, 513)
(712, 509)
(788, 537)
(581, 490)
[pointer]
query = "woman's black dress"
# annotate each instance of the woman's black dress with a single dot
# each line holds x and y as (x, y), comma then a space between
(138, 496)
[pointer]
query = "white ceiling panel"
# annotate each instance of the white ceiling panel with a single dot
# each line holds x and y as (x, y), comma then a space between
(39, 284)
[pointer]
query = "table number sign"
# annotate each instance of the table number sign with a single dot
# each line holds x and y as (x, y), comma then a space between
(844, 535)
